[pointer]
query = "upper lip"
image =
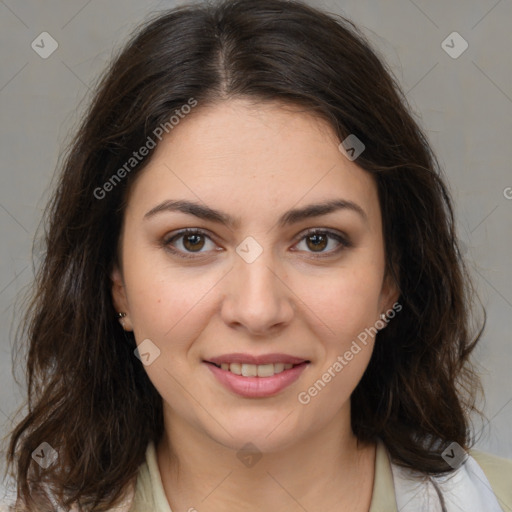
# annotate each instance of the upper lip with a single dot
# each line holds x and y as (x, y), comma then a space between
(250, 359)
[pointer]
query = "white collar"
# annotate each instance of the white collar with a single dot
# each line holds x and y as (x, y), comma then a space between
(465, 489)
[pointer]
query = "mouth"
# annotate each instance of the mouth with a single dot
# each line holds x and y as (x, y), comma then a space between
(256, 376)
(250, 380)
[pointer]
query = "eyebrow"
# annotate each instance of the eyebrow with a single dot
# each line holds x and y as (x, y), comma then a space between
(288, 218)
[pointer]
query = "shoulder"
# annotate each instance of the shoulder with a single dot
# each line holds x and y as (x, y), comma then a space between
(8, 504)
(498, 471)
(7, 496)
(482, 482)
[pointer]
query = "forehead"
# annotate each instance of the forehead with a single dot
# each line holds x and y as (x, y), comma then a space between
(264, 156)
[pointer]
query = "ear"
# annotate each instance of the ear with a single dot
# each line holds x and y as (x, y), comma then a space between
(119, 298)
(389, 295)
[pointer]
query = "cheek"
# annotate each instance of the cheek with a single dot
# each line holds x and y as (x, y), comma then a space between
(347, 309)
(345, 303)
(167, 305)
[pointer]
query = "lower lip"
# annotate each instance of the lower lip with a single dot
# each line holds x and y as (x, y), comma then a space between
(257, 387)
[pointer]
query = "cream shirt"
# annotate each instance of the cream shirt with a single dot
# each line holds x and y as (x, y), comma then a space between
(146, 494)
(150, 495)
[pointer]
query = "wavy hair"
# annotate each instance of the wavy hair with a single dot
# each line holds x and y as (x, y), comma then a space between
(88, 396)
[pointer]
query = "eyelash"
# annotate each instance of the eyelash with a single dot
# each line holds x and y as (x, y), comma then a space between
(344, 242)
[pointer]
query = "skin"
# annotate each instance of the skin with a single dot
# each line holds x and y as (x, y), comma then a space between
(254, 162)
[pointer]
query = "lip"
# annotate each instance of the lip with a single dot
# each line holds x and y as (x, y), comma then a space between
(240, 358)
(257, 387)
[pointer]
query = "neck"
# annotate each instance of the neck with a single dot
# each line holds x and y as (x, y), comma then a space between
(327, 470)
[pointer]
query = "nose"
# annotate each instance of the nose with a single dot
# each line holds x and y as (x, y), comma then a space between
(257, 299)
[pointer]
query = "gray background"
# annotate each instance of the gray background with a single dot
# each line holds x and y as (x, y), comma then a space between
(464, 103)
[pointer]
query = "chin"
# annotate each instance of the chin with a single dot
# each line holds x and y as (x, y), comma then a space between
(267, 432)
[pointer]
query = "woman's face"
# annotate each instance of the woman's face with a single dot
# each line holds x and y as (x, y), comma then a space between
(270, 282)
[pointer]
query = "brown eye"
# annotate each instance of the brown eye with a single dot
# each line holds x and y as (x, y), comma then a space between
(193, 242)
(188, 243)
(318, 242)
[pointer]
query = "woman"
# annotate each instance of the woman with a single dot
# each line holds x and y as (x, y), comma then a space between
(252, 296)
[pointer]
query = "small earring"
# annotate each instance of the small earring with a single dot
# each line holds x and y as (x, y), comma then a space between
(121, 316)
(383, 317)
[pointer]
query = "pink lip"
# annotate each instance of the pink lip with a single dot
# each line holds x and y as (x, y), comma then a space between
(257, 387)
(250, 359)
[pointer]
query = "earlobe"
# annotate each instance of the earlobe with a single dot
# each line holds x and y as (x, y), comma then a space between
(119, 299)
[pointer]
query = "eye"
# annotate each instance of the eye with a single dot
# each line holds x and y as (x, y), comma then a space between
(193, 240)
(316, 241)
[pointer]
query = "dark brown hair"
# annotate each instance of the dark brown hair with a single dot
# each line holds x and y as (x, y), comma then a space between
(88, 395)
